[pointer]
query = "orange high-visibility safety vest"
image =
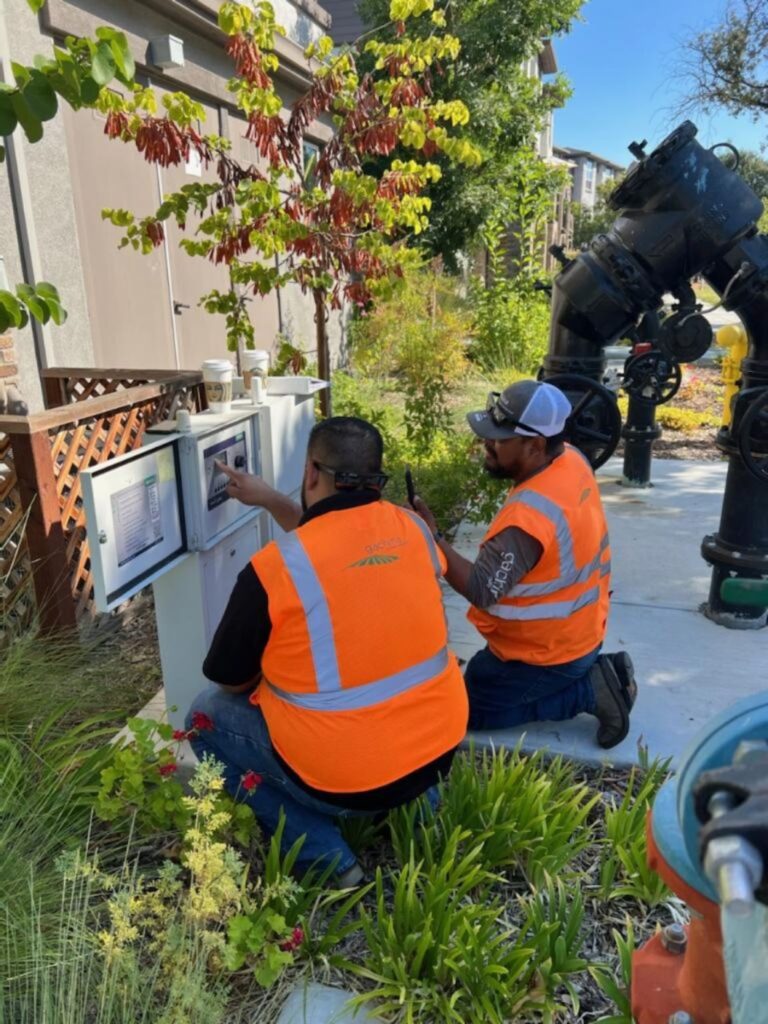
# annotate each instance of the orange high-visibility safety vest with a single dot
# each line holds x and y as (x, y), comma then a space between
(558, 611)
(359, 688)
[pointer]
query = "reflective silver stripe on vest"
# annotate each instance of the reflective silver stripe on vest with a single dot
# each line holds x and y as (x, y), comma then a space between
(430, 541)
(549, 610)
(555, 515)
(552, 586)
(365, 696)
(316, 610)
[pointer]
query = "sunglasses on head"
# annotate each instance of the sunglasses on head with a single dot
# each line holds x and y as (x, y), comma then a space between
(502, 417)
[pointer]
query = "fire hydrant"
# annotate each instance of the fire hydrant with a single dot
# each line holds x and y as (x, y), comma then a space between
(733, 338)
(711, 971)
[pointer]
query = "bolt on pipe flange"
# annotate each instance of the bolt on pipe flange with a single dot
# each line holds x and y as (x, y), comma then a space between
(674, 938)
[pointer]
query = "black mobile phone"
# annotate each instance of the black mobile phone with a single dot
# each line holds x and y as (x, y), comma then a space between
(409, 486)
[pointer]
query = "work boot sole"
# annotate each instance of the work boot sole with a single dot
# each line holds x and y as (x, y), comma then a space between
(610, 732)
(625, 671)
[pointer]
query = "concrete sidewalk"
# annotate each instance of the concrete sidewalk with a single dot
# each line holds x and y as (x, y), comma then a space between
(687, 668)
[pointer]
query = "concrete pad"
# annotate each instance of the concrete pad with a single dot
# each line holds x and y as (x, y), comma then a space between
(320, 1004)
(688, 669)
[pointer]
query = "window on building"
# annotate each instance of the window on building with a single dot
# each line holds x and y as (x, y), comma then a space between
(589, 175)
(310, 155)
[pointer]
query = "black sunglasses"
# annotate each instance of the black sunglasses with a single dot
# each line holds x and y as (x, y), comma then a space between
(502, 417)
(346, 480)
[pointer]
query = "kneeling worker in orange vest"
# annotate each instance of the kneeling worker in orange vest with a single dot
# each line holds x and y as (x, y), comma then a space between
(337, 692)
(539, 589)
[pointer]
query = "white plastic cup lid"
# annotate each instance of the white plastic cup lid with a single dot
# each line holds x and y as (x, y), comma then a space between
(218, 365)
(254, 358)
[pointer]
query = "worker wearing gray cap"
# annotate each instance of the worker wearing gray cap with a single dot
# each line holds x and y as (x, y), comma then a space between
(539, 589)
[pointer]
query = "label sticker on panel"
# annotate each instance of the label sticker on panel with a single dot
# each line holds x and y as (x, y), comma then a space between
(137, 520)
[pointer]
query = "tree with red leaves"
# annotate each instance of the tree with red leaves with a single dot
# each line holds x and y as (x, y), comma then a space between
(338, 231)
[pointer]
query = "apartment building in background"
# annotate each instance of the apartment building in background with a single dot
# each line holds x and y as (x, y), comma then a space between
(588, 172)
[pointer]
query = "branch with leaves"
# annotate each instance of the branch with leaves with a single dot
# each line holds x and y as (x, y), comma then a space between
(337, 226)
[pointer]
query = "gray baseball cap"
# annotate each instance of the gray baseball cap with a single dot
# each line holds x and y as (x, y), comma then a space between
(529, 408)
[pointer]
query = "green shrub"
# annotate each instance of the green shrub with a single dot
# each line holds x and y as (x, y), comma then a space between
(416, 335)
(553, 926)
(448, 472)
(624, 869)
(617, 986)
(436, 954)
(685, 420)
(511, 326)
(526, 816)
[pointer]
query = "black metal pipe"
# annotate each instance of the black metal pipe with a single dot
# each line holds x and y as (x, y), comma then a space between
(639, 433)
(740, 546)
(680, 212)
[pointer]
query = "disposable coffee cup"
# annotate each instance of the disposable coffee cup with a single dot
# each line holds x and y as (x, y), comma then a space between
(217, 378)
(255, 363)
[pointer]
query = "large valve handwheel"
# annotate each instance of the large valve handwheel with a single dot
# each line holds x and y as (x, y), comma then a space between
(652, 378)
(752, 431)
(594, 426)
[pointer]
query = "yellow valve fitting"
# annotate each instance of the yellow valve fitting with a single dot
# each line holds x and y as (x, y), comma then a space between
(732, 337)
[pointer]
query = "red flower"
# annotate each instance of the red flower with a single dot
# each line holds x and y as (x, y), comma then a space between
(180, 734)
(168, 769)
(296, 939)
(202, 722)
(251, 780)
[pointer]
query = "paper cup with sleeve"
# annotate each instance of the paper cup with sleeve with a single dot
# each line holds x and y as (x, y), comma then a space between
(217, 378)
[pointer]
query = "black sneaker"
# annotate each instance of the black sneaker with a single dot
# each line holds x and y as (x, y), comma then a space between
(625, 670)
(610, 704)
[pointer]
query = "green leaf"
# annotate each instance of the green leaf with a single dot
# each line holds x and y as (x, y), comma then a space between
(123, 58)
(31, 124)
(20, 74)
(40, 97)
(103, 66)
(8, 119)
(12, 308)
(37, 307)
(35, 5)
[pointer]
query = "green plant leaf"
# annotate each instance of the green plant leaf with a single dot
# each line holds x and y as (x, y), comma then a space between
(103, 66)
(12, 309)
(40, 97)
(123, 57)
(31, 124)
(37, 307)
(35, 5)
(8, 119)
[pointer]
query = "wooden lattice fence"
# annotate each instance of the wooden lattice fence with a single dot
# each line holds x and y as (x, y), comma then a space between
(92, 416)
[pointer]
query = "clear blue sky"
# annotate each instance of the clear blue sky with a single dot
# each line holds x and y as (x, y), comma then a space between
(620, 61)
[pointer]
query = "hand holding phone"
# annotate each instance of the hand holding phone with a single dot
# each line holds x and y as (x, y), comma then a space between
(409, 487)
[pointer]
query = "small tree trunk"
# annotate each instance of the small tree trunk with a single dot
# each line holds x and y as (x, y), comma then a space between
(323, 353)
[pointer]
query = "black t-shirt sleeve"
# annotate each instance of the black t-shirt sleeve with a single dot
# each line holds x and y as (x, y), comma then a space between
(237, 647)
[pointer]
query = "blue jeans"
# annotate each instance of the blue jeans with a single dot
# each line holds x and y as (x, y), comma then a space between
(240, 741)
(506, 693)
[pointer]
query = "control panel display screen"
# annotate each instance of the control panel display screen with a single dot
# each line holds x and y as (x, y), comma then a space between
(231, 452)
(136, 517)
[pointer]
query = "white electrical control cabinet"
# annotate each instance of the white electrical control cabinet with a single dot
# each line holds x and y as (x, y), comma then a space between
(135, 521)
(161, 515)
(231, 439)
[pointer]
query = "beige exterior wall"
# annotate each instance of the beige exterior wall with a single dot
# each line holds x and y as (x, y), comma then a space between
(121, 304)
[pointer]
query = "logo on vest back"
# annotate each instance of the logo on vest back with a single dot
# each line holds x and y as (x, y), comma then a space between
(374, 560)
